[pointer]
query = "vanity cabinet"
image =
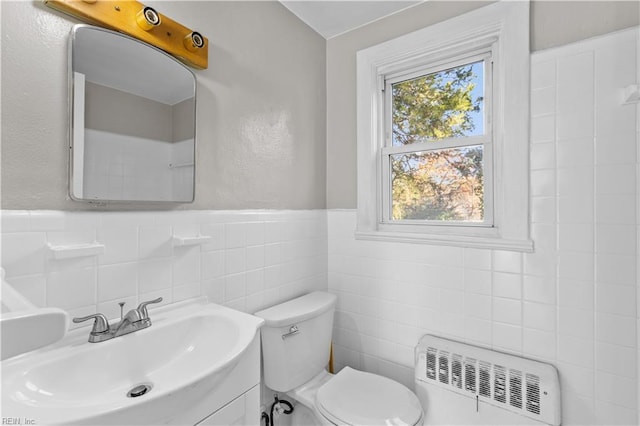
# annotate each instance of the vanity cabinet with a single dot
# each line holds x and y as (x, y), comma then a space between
(244, 410)
(235, 399)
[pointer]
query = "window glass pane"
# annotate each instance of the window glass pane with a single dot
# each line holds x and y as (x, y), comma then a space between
(444, 104)
(445, 185)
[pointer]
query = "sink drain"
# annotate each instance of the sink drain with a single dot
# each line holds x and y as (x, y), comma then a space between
(139, 390)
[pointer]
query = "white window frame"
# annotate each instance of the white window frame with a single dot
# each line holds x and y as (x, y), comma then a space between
(387, 150)
(502, 30)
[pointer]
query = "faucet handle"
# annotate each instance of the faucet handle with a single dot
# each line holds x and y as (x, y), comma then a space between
(142, 307)
(121, 310)
(100, 325)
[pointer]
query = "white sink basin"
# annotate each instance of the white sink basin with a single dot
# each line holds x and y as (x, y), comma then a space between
(31, 329)
(184, 354)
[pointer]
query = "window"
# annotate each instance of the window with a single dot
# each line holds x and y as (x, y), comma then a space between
(437, 132)
(443, 133)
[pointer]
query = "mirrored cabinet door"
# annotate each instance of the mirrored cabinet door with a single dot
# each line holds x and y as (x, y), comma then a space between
(133, 120)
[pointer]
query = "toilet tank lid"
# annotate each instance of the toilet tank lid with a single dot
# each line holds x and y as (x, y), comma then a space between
(298, 309)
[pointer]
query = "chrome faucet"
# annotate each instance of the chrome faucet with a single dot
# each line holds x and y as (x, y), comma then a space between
(136, 319)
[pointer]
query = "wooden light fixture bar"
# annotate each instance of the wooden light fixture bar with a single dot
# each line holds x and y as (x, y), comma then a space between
(144, 23)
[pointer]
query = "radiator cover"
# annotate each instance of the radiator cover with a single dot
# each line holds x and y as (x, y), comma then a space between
(489, 379)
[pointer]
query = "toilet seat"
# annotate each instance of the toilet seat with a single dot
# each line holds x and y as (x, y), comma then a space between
(357, 398)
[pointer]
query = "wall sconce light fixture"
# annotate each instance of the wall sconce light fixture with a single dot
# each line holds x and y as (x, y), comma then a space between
(142, 22)
(194, 41)
(148, 18)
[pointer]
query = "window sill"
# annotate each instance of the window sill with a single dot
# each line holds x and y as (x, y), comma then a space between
(494, 243)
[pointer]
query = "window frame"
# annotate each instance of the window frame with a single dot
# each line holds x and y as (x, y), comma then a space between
(501, 28)
(486, 140)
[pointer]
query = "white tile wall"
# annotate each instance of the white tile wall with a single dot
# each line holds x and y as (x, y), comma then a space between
(242, 266)
(119, 176)
(573, 301)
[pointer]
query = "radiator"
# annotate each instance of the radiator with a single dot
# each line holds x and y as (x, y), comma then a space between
(459, 383)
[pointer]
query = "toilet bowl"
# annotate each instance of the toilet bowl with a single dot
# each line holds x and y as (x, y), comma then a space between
(296, 339)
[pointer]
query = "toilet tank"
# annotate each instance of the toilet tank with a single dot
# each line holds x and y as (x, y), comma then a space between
(296, 340)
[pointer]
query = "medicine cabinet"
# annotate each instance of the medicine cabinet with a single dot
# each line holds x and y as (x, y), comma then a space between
(133, 110)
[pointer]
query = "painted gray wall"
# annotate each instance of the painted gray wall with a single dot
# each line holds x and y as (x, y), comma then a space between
(553, 23)
(267, 135)
(260, 109)
(113, 110)
(182, 118)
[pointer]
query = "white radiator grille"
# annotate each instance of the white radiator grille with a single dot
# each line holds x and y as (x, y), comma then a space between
(517, 384)
(533, 394)
(485, 379)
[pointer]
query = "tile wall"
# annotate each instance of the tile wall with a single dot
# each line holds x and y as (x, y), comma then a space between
(573, 301)
(254, 259)
(125, 166)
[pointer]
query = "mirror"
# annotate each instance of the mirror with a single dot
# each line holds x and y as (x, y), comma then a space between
(133, 120)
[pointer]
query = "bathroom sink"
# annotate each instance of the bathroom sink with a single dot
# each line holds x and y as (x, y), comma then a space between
(142, 377)
(34, 328)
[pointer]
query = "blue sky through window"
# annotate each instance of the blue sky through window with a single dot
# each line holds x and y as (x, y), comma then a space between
(477, 118)
(477, 79)
(430, 108)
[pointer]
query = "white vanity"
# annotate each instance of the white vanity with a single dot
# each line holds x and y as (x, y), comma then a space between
(198, 363)
(236, 401)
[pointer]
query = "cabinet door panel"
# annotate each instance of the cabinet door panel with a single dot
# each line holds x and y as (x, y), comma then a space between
(244, 410)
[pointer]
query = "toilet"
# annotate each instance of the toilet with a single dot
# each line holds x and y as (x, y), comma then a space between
(296, 340)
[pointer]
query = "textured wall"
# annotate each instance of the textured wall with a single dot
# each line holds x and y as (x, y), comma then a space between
(552, 24)
(260, 108)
